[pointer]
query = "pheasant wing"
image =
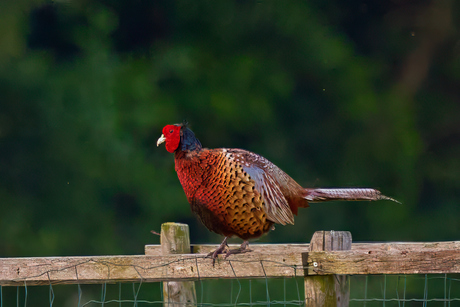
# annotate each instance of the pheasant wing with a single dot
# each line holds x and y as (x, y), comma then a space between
(263, 172)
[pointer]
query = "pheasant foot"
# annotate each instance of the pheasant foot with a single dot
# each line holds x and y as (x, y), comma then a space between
(243, 249)
(220, 250)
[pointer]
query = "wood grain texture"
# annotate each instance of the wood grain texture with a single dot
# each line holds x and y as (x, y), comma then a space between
(330, 290)
(100, 269)
(277, 260)
(155, 249)
(431, 261)
(175, 239)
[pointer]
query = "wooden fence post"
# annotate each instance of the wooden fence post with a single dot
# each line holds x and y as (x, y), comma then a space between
(329, 290)
(175, 239)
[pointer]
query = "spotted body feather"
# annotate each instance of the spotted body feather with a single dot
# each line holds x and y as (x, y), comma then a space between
(222, 193)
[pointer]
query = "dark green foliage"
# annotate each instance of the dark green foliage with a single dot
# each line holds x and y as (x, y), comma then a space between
(328, 93)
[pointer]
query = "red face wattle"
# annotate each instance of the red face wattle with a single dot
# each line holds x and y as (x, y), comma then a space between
(171, 137)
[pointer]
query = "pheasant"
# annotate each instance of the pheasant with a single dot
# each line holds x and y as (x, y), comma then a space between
(235, 192)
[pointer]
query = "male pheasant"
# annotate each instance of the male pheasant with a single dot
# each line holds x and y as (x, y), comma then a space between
(235, 192)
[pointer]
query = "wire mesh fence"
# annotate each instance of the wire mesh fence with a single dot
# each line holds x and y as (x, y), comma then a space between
(365, 290)
(405, 290)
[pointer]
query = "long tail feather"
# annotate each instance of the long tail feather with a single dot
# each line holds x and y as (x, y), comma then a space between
(320, 195)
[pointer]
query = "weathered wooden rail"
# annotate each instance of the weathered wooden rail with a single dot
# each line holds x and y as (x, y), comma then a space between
(273, 260)
(265, 261)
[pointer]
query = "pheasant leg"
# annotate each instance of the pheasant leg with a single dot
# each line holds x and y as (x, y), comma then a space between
(219, 250)
(243, 249)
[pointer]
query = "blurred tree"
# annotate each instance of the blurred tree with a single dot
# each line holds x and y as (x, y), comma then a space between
(336, 93)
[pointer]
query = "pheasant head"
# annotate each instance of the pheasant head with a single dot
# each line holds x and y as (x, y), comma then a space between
(178, 137)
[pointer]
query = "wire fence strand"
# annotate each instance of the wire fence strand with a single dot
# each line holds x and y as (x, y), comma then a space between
(372, 290)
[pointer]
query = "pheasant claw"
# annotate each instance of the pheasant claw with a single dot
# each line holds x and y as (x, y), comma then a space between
(243, 249)
(220, 250)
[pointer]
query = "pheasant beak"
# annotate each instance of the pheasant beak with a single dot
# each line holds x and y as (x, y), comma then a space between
(162, 139)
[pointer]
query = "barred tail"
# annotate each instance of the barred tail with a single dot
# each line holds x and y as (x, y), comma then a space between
(320, 195)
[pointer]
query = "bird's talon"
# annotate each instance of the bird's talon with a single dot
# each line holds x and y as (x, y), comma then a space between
(220, 250)
(243, 249)
(236, 251)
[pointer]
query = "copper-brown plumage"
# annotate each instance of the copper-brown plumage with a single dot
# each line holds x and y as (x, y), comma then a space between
(222, 194)
(235, 192)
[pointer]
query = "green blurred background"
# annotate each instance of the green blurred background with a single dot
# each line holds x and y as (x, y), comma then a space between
(336, 93)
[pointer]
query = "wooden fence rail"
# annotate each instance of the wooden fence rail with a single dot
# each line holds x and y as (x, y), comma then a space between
(265, 261)
(274, 260)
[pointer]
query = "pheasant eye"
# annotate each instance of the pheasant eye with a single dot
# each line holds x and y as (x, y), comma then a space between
(171, 131)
